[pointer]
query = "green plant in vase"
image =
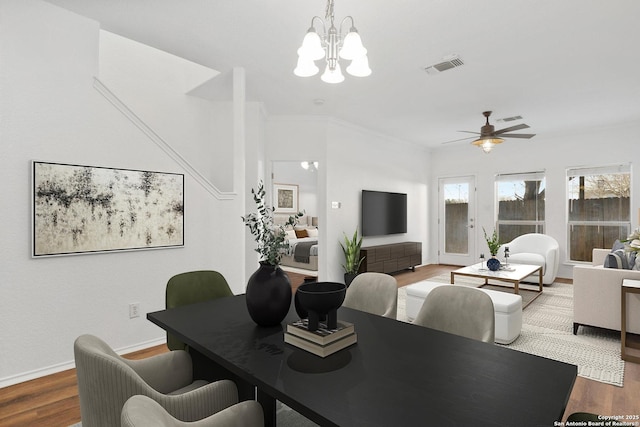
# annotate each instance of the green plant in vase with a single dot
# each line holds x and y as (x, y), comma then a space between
(494, 246)
(268, 294)
(352, 260)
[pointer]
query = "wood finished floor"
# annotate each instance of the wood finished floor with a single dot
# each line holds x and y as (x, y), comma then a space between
(53, 401)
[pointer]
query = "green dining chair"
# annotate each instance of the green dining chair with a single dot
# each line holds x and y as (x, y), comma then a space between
(190, 288)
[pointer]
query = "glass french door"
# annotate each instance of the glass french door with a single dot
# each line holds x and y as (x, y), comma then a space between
(456, 220)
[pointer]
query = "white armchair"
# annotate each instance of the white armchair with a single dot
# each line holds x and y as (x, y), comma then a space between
(535, 249)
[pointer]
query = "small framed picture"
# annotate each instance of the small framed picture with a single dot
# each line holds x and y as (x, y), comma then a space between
(285, 198)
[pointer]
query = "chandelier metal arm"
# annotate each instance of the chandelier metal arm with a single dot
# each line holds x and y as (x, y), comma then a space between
(352, 28)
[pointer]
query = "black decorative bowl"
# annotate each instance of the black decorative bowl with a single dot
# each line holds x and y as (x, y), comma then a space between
(321, 299)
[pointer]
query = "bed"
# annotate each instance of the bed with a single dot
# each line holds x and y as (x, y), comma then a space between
(302, 253)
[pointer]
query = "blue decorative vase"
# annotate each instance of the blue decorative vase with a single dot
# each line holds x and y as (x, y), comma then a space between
(493, 264)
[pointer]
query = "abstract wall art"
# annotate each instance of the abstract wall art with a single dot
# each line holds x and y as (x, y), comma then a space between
(90, 209)
(285, 198)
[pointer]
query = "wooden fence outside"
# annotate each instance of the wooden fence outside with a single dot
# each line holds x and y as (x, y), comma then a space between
(583, 238)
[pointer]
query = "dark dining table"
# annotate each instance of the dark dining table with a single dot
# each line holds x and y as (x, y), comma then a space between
(397, 374)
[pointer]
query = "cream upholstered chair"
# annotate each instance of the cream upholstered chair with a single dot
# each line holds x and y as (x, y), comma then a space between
(141, 411)
(106, 381)
(459, 310)
(535, 249)
(375, 293)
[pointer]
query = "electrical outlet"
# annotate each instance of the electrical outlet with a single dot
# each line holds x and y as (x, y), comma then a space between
(134, 310)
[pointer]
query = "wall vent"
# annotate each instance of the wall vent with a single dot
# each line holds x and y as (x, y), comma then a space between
(451, 61)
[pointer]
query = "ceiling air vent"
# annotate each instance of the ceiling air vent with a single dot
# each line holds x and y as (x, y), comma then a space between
(451, 61)
(509, 119)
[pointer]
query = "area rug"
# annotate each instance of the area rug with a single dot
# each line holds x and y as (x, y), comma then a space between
(547, 331)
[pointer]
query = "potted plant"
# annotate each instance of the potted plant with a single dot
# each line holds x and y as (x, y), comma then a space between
(352, 260)
(493, 243)
(268, 293)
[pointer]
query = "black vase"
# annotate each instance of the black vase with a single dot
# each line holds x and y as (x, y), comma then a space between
(268, 295)
(493, 264)
(348, 278)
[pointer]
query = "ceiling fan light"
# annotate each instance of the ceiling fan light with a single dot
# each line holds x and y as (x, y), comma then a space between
(352, 46)
(311, 46)
(332, 76)
(487, 143)
(359, 67)
(305, 67)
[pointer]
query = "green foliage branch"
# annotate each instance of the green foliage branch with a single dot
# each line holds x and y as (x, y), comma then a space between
(492, 242)
(271, 238)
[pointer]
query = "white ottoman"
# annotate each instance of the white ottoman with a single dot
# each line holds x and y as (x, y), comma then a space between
(416, 293)
(507, 308)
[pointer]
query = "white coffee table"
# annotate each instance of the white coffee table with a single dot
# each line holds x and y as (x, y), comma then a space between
(514, 273)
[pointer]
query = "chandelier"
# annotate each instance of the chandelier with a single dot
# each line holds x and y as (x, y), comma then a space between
(332, 46)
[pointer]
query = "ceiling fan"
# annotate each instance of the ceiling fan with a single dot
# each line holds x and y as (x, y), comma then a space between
(489, 137)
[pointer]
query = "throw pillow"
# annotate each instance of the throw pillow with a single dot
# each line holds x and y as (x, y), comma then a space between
(617, 259)
(312, 232)
(617, 245)
(301, 233)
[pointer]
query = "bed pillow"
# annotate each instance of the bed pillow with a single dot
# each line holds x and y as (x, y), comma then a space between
(312, 232)
(290, 234)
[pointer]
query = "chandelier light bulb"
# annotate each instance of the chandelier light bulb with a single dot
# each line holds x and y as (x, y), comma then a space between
(306, 67)
(352, 47)
(332, 76)
(311, 46)
(359, 67)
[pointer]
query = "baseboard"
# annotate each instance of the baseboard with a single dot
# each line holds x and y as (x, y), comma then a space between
(54, 369)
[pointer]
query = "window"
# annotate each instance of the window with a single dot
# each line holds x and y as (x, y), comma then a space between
(598, 207)
(520, 204)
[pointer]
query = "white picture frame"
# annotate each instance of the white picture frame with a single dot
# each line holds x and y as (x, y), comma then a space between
(285, 198)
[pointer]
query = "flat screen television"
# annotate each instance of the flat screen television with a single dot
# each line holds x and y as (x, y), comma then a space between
(383, 213)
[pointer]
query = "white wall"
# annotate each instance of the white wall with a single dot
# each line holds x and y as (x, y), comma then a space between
(551, 153)
(352, 159)
(51, 112)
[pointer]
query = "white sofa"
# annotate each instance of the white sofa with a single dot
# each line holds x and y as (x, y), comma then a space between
(596, 295)
(535, 249)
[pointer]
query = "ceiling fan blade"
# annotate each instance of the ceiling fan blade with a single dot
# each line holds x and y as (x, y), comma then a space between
(512, 128)
(518, 135)
(457, 140)
(468, 131)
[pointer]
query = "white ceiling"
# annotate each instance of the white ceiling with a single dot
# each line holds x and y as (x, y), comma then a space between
(564, 65)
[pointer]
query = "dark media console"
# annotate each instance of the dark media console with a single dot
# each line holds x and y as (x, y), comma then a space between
(391, 258)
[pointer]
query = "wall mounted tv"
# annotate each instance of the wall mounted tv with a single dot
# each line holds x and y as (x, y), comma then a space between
(383, 213)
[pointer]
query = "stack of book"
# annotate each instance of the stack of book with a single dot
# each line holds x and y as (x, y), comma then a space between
(321, 342)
